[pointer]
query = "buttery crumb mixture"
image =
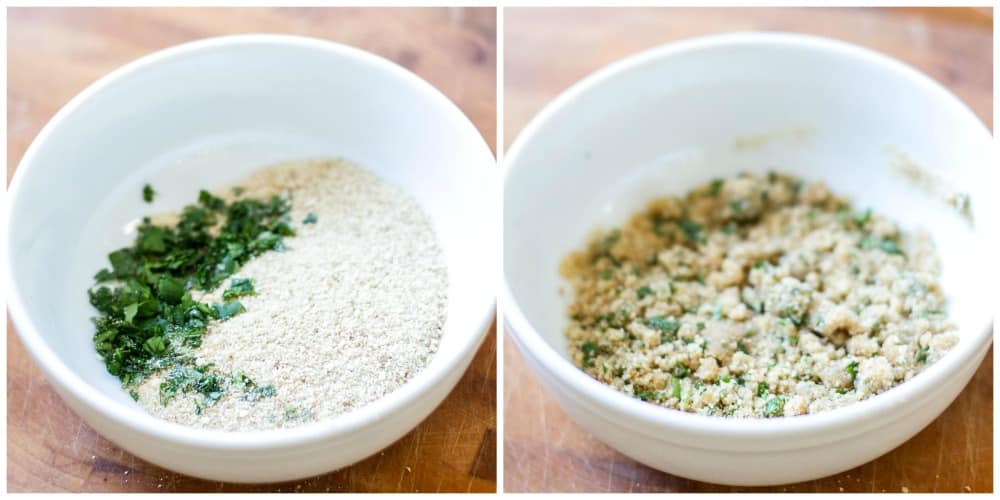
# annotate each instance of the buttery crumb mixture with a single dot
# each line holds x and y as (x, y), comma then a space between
(346, 310)
(756, 297)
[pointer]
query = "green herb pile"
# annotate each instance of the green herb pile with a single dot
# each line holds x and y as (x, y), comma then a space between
(148, 320)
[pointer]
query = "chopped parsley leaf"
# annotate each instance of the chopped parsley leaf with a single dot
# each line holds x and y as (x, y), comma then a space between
(862, 218)
(715, 186)
(239, 287)
(852, 369)
(649, 395)
(740, 346)
(675, 387)
(887, 245)
(667, 327)
(692, 230)
(228, 309)
(589, 351)
(922, 354)
(147, 320)
(774, 406)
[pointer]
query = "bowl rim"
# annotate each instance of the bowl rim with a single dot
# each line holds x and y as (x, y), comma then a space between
(852, 419)
(138, 420)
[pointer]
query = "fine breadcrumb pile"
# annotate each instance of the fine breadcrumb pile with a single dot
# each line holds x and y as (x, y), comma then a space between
(756, 297)
(348, 312)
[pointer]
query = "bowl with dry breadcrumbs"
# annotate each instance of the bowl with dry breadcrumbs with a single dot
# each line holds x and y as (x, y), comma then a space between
(254, 258)
(751, 259)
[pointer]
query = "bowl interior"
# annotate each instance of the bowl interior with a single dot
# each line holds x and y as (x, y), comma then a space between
(668, 119)
(203, 116)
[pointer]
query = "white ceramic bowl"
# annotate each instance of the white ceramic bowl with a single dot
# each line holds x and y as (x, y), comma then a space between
(204, 114)
(666, 119)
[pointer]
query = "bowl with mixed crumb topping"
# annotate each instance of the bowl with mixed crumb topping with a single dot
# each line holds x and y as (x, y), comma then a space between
(736, 260)
(254, 258)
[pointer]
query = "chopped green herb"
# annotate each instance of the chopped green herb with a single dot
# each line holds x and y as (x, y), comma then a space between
(667, 327)
(644, 292)
(922, 354)
(887, 245)
(738, 206)
(675, 387)
(239, 287)
(681, 370)
(740, 346)
(259, 392)
(155, 346)
(148, 194)
(862, 218)
(228, 309)
(791, 312)
(607, 274)
(170, 290)
(147, 320)
(649, 395)
(294, 413)
(130, 311)
(692, 230)
(184, 378)
(852, 369)
(310, 218)
(609, 241)
(761, 389)
(715, 186)
(774, 406)
(151, 240)
(891, 247)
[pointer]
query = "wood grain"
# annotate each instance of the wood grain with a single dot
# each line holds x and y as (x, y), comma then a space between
(543, 449)
(54, 53)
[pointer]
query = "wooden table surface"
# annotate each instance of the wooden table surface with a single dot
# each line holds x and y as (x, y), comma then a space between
(54, 53)
(543, 449)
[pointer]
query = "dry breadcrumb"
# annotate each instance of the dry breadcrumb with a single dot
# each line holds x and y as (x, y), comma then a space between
(756, 297)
